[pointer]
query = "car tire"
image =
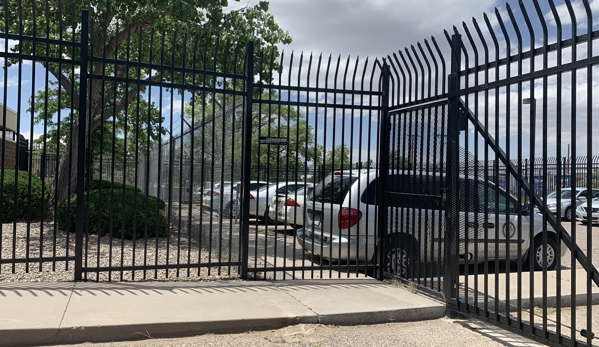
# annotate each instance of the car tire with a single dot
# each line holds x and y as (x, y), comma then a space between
(267, 219)
(401, 257)
(537, 253)
(231, 211)
(568, 214)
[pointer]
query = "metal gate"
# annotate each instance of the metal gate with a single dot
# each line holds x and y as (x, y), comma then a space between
(504, 242)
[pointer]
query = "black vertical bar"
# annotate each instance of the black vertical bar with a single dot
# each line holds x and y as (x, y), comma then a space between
(81, 143)
(573, 172)
(451, 213)
(247, 154)
(383, 164)
(589, 175)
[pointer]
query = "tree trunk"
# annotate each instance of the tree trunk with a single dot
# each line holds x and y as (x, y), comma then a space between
(65, 183)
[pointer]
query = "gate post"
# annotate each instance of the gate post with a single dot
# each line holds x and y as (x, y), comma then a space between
(452, 242)
(246, 160)
(383, 171)
(81, 147)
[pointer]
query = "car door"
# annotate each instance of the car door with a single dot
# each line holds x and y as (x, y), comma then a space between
(498, 224)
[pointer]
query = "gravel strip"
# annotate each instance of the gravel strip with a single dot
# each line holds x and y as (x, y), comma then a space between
(43, 239)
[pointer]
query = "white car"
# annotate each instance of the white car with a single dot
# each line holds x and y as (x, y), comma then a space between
(260, 199)
(582, 212)
(566, 209)
(231, 196)
(212, 196)
(340, 221)
(289, 208)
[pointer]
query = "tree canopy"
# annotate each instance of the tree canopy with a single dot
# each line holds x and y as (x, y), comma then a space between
(218, 136)
(150, 42)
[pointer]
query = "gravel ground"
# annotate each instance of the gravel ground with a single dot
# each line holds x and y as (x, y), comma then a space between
(440, 332)
(582, 240)
(44, 240)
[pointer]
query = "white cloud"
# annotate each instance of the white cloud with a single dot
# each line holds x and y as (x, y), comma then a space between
(11, 45)
(13, 82)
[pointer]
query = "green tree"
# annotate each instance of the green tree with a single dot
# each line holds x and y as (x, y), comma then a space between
(155, 31)
(338, 158)
(218, 135)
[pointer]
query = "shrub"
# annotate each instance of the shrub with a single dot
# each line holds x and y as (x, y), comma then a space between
(129, 213)
(106, 184)
(29, 203)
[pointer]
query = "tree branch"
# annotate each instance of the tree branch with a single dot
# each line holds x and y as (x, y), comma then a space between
(67, 84)
(133, 28)
(121, 104)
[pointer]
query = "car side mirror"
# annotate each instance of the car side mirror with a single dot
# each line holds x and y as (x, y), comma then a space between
(526, 208)
(582, 198)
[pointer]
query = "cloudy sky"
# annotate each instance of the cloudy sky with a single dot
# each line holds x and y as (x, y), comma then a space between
(376, 28)
(369, 27)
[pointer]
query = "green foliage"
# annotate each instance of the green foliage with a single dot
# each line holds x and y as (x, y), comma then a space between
(132, 212)
(106, 184)
(122, 118)
(220, 121)
(30, 203)
(338, 158)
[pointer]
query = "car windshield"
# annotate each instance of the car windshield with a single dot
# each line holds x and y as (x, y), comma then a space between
(333, 189)
(265, 188)
(566, 194)
(303, 191)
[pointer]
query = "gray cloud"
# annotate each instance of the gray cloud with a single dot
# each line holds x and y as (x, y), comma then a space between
(369, 28)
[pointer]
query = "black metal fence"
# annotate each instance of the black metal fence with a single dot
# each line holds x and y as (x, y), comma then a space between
(450, 192)
(518, 93)
(138, 127)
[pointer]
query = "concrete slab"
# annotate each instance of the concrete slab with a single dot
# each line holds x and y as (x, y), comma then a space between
(32, 307)
(545, 291)
(116, 311)
(350, 302)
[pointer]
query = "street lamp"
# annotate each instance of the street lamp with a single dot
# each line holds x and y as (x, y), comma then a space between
(532, 102)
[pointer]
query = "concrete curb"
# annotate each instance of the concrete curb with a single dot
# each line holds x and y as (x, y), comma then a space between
(32, 337)
(64, 335)
(362, 318)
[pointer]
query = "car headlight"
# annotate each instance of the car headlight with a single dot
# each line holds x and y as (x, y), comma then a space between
(579, 208)
(552, 205)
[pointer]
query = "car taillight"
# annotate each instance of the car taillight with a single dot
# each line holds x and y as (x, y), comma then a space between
(215, 193)
(251, 197)
(291, 202)
(348, 217)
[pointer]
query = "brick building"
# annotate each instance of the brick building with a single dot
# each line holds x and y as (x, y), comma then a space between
(10, 144)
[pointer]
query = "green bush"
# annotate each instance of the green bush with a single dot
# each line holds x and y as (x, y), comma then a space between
(29, 203)
(128, 213)
(106, 184)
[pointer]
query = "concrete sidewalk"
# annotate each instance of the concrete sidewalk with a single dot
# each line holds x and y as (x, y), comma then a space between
(57, 313)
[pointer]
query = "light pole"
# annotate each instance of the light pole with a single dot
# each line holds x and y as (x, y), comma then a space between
(533, 107)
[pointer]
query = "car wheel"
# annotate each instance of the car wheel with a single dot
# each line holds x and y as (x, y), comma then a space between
(568, 214)
(401, 256)
(267, 219)
(538, 251)
(231, 210)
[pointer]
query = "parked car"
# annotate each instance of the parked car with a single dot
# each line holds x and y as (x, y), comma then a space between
(566, 208)
(289, 208)
(212, 196)
(230, 198)
(198, 192)
(340, 221)
(582, 212)
(260, 199)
